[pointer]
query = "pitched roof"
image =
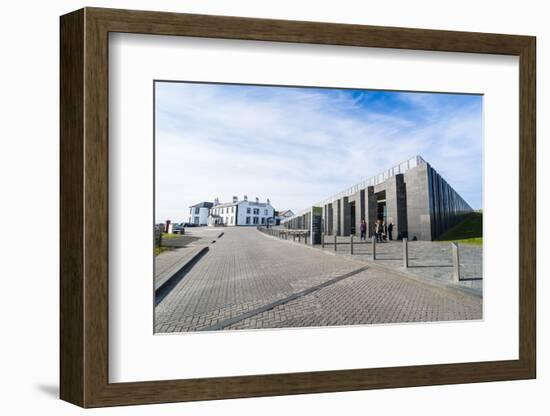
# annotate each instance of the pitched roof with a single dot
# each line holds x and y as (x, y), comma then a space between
(225, 204)
(242, 201)
(202, 205)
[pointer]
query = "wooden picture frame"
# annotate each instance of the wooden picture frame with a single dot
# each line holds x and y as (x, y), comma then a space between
(84, 207)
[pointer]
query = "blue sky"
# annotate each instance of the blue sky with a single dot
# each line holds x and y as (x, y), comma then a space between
(297, 146)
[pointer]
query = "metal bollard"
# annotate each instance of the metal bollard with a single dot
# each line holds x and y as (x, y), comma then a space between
(405, 253)
(322, 240)
(293, 236)
(305, 238)
(456, 263)
(335, 242)
(299, 237)
(373, 248)
(351, 244)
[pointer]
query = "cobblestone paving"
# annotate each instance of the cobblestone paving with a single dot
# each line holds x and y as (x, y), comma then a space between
(243, 271)
(427, 259)
(371, 297)
(246, 270)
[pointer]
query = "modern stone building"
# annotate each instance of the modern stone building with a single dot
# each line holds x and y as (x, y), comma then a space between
(412, 196)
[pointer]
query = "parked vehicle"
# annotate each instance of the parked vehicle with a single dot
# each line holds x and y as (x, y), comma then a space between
(178, 228)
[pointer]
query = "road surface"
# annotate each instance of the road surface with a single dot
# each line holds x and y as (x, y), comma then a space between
(249, 280)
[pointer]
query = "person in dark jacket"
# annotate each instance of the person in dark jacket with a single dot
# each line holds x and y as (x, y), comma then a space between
(390, 230)
(363, 229)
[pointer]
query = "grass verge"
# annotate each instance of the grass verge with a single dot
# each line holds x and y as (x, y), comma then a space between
(161, 249)
(469, 231)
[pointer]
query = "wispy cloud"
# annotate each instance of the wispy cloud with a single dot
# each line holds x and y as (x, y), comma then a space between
(298, 146)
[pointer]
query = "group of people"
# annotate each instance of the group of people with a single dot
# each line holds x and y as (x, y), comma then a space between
(381, 231)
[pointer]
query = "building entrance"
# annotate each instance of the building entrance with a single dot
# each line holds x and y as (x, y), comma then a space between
(352, 217)
(381, 206)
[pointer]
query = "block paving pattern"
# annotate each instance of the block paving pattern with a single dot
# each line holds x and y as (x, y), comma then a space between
(427, 259)
(242, 271)
(246, 270)
(370, 297)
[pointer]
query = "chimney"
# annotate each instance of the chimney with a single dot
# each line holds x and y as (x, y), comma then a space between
(235, 199)
(267, 201)
(245, 198)
(257, 199)
(216, 201)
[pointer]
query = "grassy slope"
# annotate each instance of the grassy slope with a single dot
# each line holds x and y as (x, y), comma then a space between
(469, 231)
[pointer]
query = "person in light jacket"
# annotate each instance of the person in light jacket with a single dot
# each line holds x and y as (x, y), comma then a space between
(378, 230)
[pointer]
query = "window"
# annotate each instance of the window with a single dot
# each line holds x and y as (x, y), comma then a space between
(265, 211)
(197, 211)
(231, 220)
(255, 220)
(248, 220)
(248, 210)
(256, 211)
(232, 209)
(263, 220)
(196, 220)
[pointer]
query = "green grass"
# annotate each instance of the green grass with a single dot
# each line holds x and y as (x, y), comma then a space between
(469, 231)
(170, 236)
(161, 249)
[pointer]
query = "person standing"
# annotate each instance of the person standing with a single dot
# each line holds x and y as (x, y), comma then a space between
(363, 229)
(390, 230)
(378, 231)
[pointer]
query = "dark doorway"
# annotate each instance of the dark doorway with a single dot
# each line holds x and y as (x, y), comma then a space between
(352, 217)
(381, 206)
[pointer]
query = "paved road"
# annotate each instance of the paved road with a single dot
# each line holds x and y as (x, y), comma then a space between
(184, 248)
(427, 259)
(241, 282)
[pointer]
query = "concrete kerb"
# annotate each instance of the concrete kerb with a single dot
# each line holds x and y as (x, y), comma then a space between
(185, 267)
(165, 287)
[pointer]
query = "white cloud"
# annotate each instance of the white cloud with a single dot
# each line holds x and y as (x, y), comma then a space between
(299, 146)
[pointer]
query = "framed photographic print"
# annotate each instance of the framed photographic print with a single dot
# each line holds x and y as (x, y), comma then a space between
(254, 207)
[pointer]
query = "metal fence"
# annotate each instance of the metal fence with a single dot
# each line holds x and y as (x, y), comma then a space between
(300, 236)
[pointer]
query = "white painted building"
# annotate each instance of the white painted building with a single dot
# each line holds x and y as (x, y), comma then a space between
(241, 213)
(198, 214)
(280, 216)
